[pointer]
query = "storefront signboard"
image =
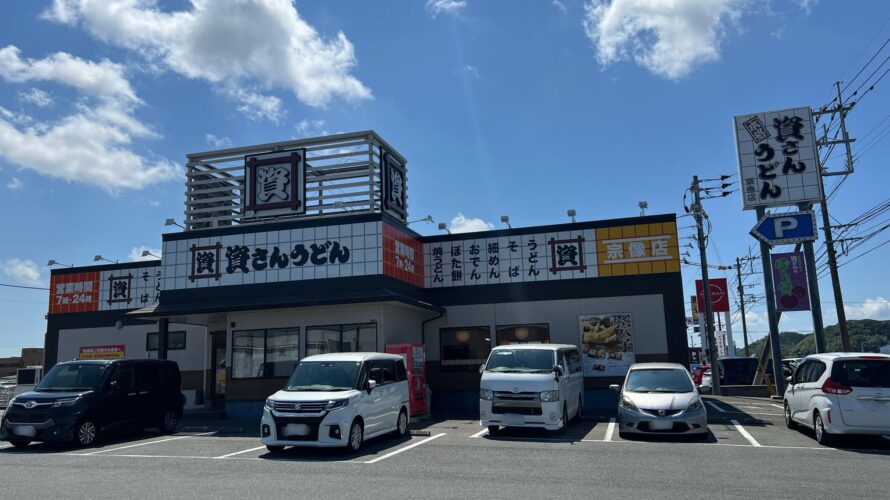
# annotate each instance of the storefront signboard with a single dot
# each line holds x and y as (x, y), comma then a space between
(607, 345)
(790, 282)
(108, 290)
(777, 158)
(102, 352)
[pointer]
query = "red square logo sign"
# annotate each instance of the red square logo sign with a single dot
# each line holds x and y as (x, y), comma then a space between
(74, 293)
(402, 256)
(719, 295)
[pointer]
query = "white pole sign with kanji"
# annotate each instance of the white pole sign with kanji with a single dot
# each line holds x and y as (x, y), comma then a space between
(778, 161)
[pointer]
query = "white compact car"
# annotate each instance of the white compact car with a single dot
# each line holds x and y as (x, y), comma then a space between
(338, 400)
(531, 385)
(840, 393)
(660, 398)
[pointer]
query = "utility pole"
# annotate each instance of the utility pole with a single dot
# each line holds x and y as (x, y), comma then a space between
(826, 222)
(775, 346)
(738, 268)
(699, 213)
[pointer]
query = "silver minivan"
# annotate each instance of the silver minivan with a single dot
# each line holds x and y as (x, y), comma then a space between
(531, 385)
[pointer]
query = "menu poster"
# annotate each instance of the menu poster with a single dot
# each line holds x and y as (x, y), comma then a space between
(607, 345)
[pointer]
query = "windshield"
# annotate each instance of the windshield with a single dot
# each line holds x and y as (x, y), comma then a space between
(324, 376)
(520, 361)
(862, 373)
(658, 380)
(75, 377)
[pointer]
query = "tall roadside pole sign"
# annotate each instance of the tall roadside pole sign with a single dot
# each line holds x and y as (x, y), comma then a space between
(779, 166)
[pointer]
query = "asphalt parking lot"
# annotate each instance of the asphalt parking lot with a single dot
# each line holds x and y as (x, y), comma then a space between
(748, 451)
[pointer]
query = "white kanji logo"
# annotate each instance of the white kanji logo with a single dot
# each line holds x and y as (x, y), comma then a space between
(398, 187)
(659, 248)
(637, 249)
(272, 182)
(614, 251)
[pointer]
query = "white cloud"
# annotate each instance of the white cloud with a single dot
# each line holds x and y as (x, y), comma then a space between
(136, 253)
(92, 144)
(231, 43)
(312, 128)
(667, 37)
(256, 106)
(218, 142)
(559, 5)
(15, 184)
(468, 69)
(23, 271)
(806, 5)
(462, 224)
(36, 97)
(452, 7)
(876, 308)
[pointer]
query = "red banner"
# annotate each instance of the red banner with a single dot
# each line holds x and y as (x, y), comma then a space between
(102, 352)
(719, 295)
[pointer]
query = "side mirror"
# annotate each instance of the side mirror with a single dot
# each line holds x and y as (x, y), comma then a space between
(112, 386)
(481, 368)
(557, 371)
(788, 380)
(371, 385)
(615, 387)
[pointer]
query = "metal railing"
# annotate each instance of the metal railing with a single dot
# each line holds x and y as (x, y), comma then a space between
(342, 176)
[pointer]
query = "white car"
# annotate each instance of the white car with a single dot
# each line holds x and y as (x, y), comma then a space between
(338, 400)
(840, 393)
(531, 385)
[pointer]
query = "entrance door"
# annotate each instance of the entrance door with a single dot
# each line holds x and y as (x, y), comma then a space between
(218, 369)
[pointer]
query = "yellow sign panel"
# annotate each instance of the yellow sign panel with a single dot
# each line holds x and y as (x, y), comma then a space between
(638, 249)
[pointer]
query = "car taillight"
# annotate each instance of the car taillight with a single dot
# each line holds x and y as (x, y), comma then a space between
(832, 387)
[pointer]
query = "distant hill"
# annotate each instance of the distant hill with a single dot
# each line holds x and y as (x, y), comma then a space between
(865, 335)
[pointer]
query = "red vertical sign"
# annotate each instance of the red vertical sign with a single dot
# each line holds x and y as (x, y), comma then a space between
(719, 295)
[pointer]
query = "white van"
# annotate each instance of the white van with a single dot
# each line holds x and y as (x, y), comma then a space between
(338, 399)
(26, 379)
(531, 385)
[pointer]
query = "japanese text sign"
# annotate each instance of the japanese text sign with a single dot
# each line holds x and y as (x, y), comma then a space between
(790, 282)
(102, 352)
(778, 160)
(719, 295)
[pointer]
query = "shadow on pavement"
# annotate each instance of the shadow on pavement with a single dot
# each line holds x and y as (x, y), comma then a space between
(369, 450)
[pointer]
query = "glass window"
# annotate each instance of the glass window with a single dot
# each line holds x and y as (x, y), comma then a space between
(248, 349)
(862, 373)
(401, 371)
(175, 341)
(523, 334)
(818, 370)
(573, 357)
(523, 361)
(341, 338)
(324, 376)
(70, 377)
(464, 349)
(147, 376)
(658, 380)
(265, 353)
(124, 379)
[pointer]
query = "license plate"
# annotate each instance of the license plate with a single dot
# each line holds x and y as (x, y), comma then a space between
(513, 419)
(661, 425)
(296, 430)
(24, 430)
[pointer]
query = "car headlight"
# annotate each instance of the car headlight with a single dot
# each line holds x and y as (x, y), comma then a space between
(486, 394)
(694, 405)
(65, 402)
(336, 404)
(269, 404)
(628, 404)
(549, 396)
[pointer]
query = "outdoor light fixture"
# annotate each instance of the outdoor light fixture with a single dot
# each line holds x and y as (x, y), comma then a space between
(462, 336)
(643, 206)
(428, 218)
(571, 213)
(146, 253)
(521, 333)
(52, 262)
(506, 220)
(172, 222)
(444, 227)
(99, 257)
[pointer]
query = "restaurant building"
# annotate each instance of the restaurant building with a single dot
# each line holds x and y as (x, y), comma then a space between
(304, 247)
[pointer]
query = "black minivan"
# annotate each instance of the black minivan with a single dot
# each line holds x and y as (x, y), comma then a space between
(80, 400)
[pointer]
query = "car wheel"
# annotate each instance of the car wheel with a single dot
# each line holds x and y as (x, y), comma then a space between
(169, 422)
(822, 437)
(356, 434)
(493, 429)
(274, 449)
(789, 422)
(401, 425)
(85, 433)
(20, 443)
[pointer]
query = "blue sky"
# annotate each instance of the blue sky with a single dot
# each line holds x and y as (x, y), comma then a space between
(519, 108)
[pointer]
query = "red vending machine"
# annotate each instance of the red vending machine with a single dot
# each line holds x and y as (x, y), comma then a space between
(415, 361)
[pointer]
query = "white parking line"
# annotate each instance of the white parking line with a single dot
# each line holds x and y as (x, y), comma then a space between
(721, 410)
(777, 406)
(406, 448)
(480, 433)
(745, 433)
(610, 430)
(143, 444)
(242, 451)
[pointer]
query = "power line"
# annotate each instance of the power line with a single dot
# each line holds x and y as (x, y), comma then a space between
(23, 286)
